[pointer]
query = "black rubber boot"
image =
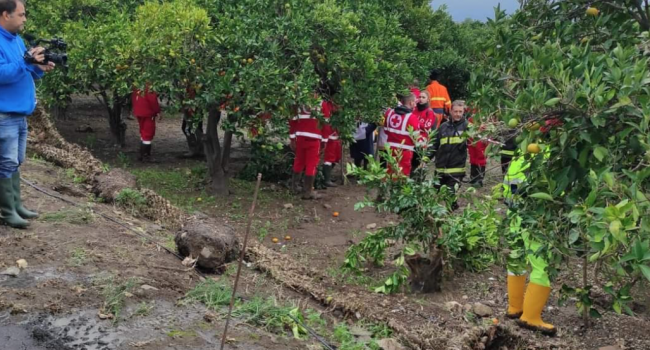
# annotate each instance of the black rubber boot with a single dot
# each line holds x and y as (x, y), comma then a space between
(143, 152)
(20, 209)
(295, 183)
(327, 173)
(8, 213)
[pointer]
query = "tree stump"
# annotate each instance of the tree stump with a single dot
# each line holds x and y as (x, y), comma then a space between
(212, 243)
(426, 272)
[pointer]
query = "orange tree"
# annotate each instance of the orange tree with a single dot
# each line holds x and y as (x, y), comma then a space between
(584, 70)
(97, 34)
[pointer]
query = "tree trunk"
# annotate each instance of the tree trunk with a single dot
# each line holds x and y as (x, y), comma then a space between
(426, 272)
(193, 131)
(214, 156)
(227, 146)
(114, 105)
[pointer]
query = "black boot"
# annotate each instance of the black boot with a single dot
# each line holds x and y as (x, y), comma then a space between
(295, 183)
(143, 152)
(327, 173)
(8, 213)
(148, 157)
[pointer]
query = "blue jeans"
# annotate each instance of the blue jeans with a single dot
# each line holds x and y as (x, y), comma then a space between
(13, 143)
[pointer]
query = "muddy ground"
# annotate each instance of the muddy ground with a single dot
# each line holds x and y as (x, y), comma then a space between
(57, 299)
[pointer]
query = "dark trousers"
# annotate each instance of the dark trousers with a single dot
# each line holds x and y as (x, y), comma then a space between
(505, 164)
(477, 174)
(450, 181)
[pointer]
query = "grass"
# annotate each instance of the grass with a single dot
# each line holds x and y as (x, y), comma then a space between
(72, 175)
(131, 200)
(123, 160)
(144, 309)
(183, 187)
(274, 316)
(115, 294)
(73, 216)
(78, 257)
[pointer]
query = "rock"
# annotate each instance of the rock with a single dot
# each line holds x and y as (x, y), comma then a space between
(481, 310)
(288, 206)
(212, 243)
(148, 287)
(361, 334)
(453, 306)
(12, 271)
(610, 347)
(327, 206)
(109, 185)
(390, 344)
(371, 226)
(22, 263)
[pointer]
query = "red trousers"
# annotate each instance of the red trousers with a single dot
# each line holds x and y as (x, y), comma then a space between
(404, 158)
(307, 156)
(147, 129)
(332, 152)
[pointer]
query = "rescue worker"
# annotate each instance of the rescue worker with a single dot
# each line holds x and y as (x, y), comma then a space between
(439, 98)
(306, 137)
(146, 109)
(507, 153)
(450, 149)
(363, 145)
(332, 143)
(399, 124)
(477, 159)
(428, 121)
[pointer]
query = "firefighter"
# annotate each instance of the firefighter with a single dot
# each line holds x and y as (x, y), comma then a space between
(332, 143)
(399, 125)
(507, 153)
(306, 137)
(450, 149)
(146, 109)
(439, 98)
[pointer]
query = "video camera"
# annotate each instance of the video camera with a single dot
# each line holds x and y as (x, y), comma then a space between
(56, 44)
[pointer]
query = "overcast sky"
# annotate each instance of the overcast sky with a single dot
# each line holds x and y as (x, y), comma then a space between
(475, 9)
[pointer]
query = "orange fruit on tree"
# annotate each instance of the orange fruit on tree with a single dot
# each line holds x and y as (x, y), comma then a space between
(533, 148)
(592, 11)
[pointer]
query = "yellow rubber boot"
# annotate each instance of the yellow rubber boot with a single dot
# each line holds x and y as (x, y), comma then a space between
(516, 288)
(534, 302)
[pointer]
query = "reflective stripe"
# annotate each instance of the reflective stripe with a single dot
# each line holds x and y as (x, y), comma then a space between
(398, 132)
(309, 134)
(451, 140)
(402, 130)
(334, 138)
(328, 163)
(303, 116)
(508, 153)
(438, 99)
(451, 170)
(509, 182)
(292, 136)
(401, 145)
(146, 142)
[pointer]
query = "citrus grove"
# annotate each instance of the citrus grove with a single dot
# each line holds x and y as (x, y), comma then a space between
(569, 80)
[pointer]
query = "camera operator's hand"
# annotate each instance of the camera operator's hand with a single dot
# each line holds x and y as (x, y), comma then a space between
(46, 67)
(38, 53)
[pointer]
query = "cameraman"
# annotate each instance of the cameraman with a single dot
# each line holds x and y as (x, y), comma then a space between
(17, 101)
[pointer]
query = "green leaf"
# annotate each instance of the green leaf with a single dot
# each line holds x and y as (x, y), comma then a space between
(542, 195)
(552, 102)
(645, 269)
(623, 101)
(600, 153)
(615, 230)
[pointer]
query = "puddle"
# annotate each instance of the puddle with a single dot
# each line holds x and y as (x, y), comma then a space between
(32, 277)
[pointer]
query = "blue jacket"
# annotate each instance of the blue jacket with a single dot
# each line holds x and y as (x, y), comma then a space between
(17, 89)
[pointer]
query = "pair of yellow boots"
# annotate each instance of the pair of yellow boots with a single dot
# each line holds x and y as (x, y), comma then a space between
(528, 309)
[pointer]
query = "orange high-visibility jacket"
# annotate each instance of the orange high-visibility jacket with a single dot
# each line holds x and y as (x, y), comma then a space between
(439, 96)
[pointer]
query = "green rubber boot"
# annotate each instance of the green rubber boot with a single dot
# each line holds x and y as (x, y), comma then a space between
(8, 213)
(20, 209)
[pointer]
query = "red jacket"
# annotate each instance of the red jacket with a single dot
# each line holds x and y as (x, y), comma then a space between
(397, 127)
(328, 132)
(428, 121)
(145, 105)
(476, 150)
(305, 126)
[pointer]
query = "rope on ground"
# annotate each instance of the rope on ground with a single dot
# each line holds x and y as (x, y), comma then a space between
(313, 333)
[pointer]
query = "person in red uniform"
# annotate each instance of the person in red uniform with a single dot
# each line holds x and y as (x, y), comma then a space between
(439, 98)
(306, 136)
(428, 123)
(399, 124)
(477, 159)
(332, 143)
(146, 108)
